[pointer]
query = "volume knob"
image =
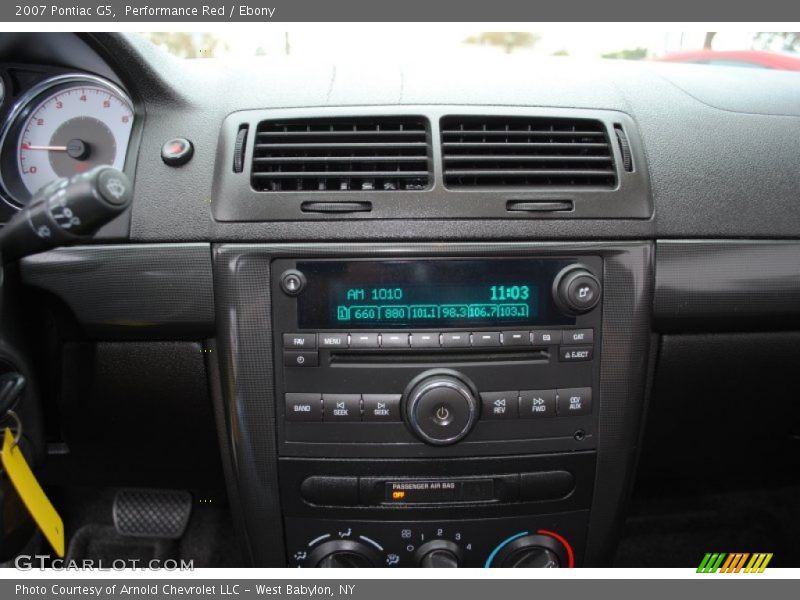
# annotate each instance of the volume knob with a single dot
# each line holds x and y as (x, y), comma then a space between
(576, 290)
(441, 406)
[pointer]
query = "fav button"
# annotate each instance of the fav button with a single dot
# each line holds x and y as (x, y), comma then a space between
(499, 405)
(574, 401)
(535, 404)
(341, 407)
(299, 341)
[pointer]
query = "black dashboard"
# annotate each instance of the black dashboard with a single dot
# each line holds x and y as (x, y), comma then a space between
(436, 316)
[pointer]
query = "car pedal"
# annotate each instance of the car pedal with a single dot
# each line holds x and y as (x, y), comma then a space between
(152, 513)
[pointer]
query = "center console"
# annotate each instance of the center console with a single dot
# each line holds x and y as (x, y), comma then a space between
(470, 405)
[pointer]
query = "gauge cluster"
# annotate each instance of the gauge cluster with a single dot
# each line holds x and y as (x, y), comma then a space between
(59, 126)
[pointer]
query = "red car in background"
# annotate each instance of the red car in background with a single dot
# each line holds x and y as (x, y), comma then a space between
(737, 58)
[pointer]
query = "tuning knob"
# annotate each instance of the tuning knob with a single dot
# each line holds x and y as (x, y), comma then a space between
(343, 554)
(438, 554)
(576, 290)
(441, 406)
(532, 552)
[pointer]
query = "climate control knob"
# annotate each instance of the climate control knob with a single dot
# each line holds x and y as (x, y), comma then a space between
(438, 554)
(537, 551)
(441, 406)
(576, 290)
(343, 554)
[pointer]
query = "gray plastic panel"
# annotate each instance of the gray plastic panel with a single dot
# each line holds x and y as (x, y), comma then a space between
(727, 285)
(130, 291)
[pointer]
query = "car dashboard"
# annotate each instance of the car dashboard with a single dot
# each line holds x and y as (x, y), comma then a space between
(433, 316)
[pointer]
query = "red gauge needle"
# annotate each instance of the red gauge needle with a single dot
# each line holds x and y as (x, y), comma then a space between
(49, 148)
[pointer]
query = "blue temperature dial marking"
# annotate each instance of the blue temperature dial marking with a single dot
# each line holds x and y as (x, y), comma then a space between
(500, 546)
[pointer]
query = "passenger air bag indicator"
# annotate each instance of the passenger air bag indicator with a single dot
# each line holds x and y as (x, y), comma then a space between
(439, 491)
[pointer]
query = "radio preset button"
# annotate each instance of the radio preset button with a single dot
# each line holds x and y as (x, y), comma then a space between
(516, 338)
(574, 401)
(575, 353)
(381, 407)
(300, 341)
(546, 337)
(535, 404)
(332, 340)
(425, 340)
(303, 407)
(300, 358)
(363, 340)
(341, 407)
(499, 405)
(456, 339)
(394, 340)
(577, 336)
(486, 338)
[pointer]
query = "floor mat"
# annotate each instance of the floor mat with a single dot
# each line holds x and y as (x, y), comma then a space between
(103, 545)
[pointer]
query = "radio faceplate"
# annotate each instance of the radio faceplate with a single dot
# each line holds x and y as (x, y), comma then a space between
(372, 355)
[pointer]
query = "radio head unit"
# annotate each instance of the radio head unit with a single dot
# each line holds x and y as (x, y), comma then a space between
(455, 356)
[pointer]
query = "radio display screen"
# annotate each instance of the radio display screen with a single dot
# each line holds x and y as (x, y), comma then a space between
(421, 294)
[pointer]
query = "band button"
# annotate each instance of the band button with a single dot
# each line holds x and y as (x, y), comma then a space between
(303, 407)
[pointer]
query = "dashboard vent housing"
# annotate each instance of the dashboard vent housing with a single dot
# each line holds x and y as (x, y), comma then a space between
(527, 152)
(372, 154)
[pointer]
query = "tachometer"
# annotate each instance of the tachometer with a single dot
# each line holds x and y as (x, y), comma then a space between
(63, 126)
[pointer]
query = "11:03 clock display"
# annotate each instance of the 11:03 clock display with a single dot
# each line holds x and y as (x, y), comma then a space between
(426, 294)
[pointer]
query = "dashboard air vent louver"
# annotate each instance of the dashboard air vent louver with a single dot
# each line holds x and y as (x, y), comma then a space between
(372, 154)
(526, 152)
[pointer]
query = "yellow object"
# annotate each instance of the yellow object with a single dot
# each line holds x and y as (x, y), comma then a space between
(32, 494)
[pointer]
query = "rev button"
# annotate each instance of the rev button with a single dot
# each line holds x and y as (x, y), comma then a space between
(499, 405)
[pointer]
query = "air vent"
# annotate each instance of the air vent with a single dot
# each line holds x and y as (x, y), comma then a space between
(342, 155)
(526, 152)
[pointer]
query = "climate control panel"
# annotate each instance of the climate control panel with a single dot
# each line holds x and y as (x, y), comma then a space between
(530, 542)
